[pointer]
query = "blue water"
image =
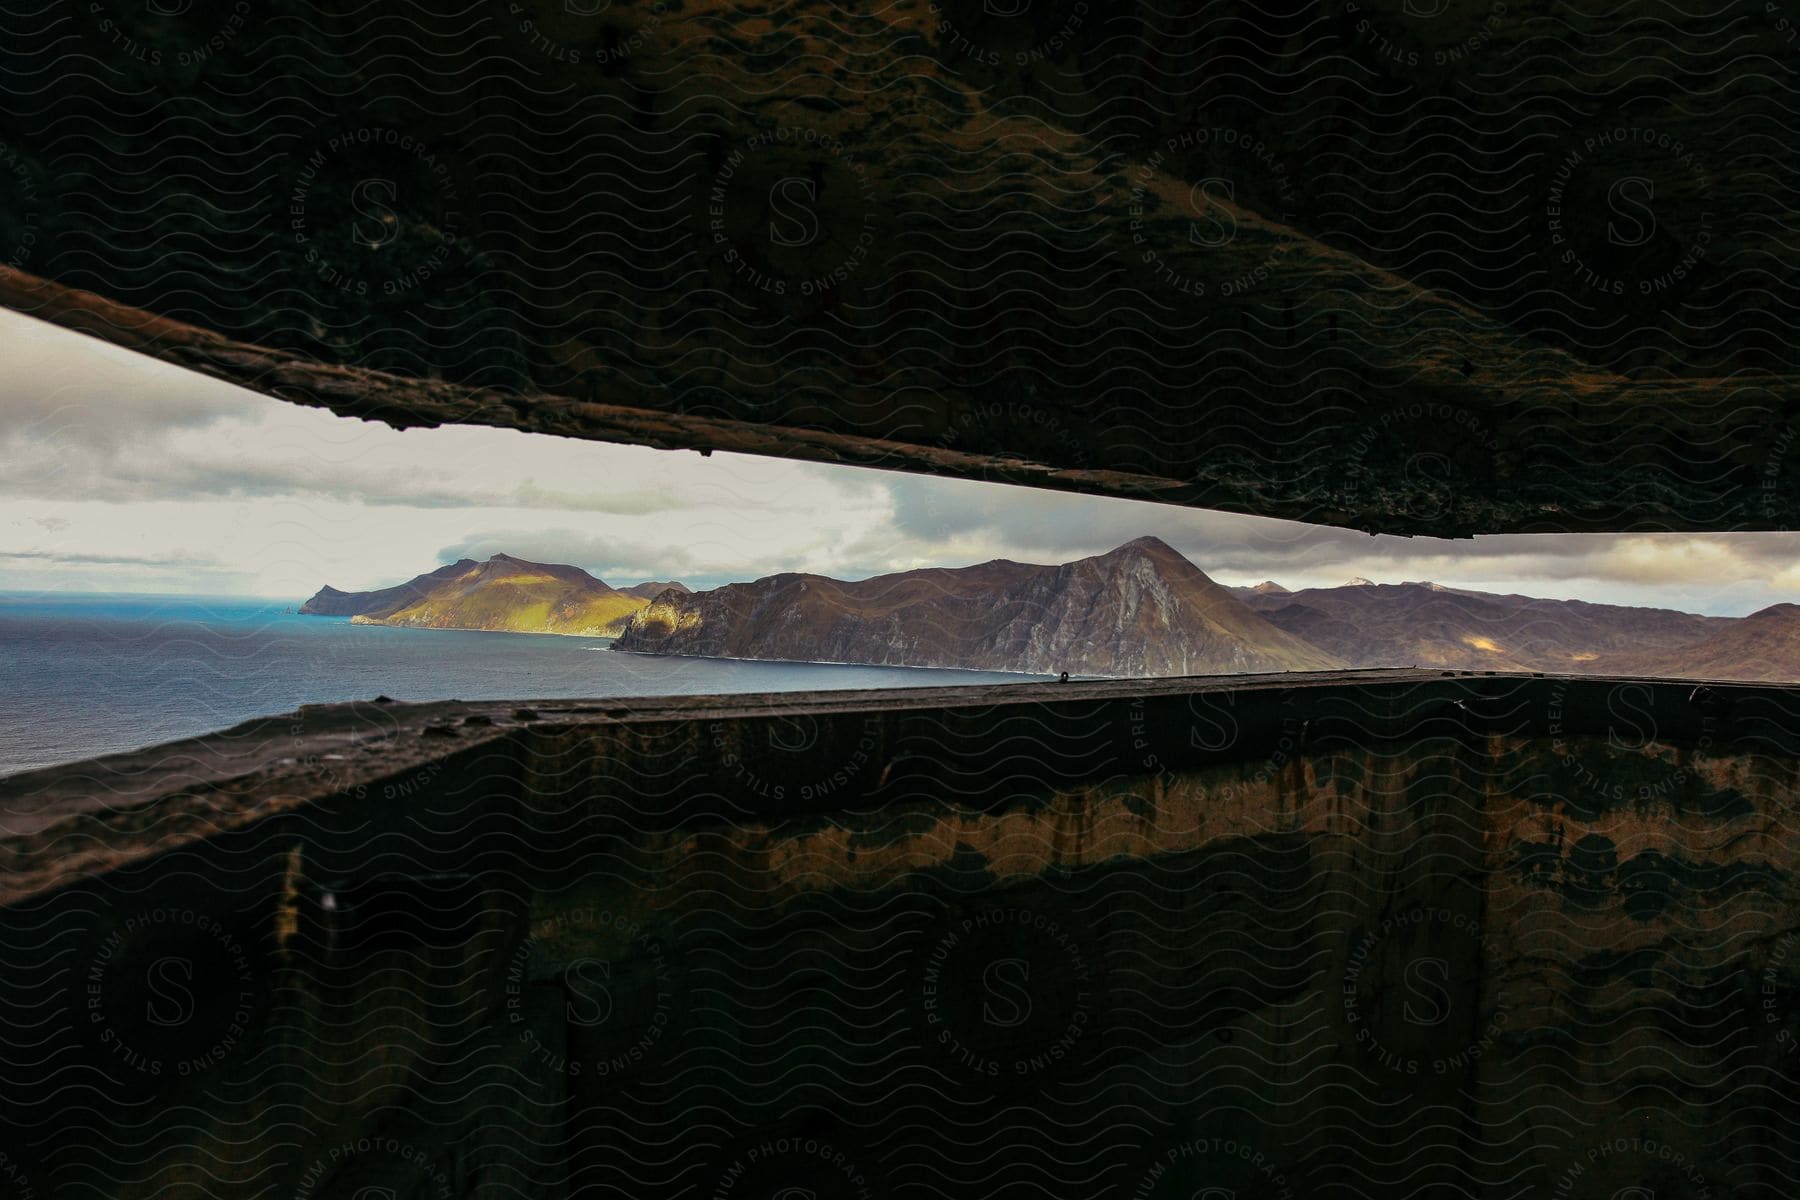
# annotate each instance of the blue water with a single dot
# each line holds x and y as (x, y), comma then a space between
(82, 676)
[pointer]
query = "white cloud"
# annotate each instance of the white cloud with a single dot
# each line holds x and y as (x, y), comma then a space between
(121, 473)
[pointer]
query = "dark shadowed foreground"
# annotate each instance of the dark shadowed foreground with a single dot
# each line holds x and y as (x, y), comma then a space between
(1384, 933)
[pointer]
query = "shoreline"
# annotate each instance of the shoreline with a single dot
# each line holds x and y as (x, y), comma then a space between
(614, 638)
(610, 637)
(831, 662)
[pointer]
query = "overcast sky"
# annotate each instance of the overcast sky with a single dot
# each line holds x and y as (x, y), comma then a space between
(121, 474)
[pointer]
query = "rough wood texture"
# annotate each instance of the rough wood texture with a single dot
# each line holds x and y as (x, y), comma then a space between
(1372, 265)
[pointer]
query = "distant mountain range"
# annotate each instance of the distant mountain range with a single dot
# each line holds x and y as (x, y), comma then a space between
(504, 593)
(1140, 610)
(1763, 645)
(1428, 625)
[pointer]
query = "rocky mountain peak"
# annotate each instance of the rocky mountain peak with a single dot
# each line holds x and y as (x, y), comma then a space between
(1149, 544)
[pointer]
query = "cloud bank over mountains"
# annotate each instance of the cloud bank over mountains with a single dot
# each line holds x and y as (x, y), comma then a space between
(118, 473)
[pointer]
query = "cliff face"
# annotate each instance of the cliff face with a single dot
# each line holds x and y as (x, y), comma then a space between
(1141, 609)
(503, 594)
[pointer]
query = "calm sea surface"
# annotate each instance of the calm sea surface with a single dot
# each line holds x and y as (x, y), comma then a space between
(82, 676)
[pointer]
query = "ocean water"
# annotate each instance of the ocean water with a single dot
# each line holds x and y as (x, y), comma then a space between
(82, 676)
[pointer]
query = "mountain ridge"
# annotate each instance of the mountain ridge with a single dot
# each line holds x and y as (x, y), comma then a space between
(1430, 625)
(1139, 609)
(331, 602)
(1763, 647)
(503, 594)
